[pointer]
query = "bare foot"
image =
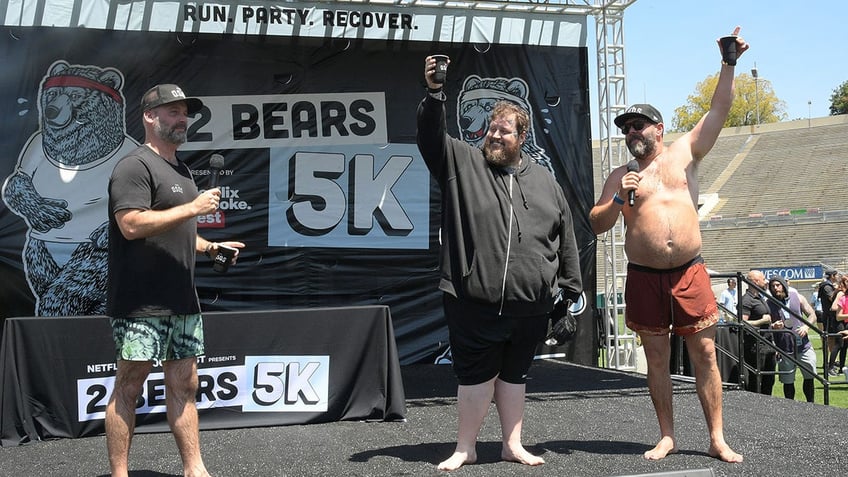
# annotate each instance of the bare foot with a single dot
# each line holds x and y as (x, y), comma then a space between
(198, 471)
(724, 453)
(521, 456)
(663, 448)
(457, 460)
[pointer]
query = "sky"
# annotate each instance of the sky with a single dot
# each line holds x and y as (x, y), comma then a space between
(800, 47)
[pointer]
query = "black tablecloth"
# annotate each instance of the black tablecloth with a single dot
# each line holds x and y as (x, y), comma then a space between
(261, 368)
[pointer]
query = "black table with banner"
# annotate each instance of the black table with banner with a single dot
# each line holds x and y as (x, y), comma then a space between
(727, 339)
(728, 354)
(261, 368)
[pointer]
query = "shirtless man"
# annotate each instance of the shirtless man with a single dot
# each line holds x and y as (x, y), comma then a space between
(663, 245)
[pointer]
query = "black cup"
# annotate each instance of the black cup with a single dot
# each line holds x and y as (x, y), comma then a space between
(223, 258)
(728, 49)
(441, 68)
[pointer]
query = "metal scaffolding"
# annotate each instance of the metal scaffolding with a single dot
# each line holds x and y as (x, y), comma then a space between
(620, 343)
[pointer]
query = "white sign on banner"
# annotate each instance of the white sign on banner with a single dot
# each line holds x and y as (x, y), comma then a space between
(263, 384)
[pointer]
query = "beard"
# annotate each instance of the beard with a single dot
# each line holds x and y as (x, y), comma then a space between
(642, 147)
(169, 134)
(501, 156)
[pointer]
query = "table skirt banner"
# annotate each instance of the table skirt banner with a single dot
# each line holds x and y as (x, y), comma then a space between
(261, 368)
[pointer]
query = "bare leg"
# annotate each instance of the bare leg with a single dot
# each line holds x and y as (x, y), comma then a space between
(180, 391)
(472, 406)
(702, 355)
(120, 413)
(509, 399)
(658, 354)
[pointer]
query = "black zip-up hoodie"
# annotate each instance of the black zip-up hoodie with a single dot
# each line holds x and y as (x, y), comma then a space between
(507, 236)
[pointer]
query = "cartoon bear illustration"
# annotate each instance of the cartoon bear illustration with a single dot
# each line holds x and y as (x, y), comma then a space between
(60, 187)
(478, 98)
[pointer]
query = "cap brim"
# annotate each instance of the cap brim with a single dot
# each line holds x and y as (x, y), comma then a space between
(193, 105)
(620, 120)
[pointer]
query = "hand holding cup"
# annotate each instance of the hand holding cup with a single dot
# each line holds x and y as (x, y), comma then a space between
(435, 70)
(441, 72)
(732, 47)
(226, 254)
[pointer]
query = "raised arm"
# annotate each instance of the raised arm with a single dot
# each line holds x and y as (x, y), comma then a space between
(430, 135)
(703, 136)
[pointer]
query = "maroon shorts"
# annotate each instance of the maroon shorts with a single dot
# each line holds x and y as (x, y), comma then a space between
(679, 299)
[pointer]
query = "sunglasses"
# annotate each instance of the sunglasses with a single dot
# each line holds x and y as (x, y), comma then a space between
(636, 125)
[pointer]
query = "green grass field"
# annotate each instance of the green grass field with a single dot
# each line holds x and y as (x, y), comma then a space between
(838, 386)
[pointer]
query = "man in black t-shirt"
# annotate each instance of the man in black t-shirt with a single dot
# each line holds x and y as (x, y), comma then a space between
(827, 292)
(759, 356)
(151, 299)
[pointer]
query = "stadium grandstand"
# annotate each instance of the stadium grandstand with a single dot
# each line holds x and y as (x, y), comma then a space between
(771, 196)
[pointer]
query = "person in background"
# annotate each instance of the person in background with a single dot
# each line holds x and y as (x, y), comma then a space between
(815, 301)
(508, 247)
(728, 298)
(758, 356)
(151, 298)
(827, 293)
(668, 288)
(839, 308)
(797, 342)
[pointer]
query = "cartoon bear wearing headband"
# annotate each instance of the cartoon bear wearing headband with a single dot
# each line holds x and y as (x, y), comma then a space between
(478, 98)
(60, 187)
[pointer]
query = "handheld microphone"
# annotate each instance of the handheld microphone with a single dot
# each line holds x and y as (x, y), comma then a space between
(632, 166)
(216, 163)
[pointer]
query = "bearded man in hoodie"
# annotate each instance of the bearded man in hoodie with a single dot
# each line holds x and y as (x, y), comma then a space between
(507, 248)
(797, 343)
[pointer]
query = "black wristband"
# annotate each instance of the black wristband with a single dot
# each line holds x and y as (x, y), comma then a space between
(434, 91)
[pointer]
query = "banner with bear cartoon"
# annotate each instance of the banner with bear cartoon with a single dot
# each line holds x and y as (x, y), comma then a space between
(322, 177)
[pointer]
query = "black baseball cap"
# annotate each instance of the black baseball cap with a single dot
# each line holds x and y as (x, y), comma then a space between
(168, 93)
(830, 271)
(645, 111)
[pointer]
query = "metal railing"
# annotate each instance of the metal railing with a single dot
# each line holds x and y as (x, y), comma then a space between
(757, 335)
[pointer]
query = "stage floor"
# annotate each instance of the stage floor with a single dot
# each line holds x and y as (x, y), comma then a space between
(584, 421)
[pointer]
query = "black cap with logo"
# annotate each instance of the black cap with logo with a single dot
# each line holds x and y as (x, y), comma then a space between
(645, 111)
(168, 93)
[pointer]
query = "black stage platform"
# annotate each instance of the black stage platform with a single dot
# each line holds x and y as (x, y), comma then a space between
(584, 422)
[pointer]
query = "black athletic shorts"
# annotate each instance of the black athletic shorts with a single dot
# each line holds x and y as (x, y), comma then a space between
(485, 345)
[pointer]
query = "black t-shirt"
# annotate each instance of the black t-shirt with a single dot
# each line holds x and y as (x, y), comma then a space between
(151, 276)
(755, 307)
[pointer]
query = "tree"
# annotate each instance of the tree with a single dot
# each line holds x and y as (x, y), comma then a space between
(839, 100)
(750, 96)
